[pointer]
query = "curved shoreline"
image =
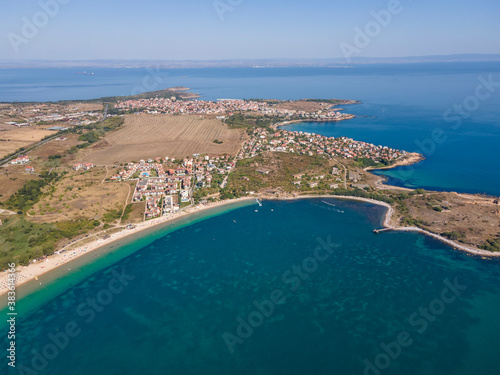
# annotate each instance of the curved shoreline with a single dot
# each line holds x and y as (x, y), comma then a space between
(34, 270)
(387, 226)
(285, 123)
(57, 260)
(410, 159)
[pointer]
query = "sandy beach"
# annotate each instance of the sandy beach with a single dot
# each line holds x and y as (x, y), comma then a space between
(36, 269)
(389, 226)
(284, 123)
(63, 257)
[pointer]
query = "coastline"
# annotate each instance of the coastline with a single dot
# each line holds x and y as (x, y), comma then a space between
(388, 226)
(57, 260)
(285, 123)
(410, 159)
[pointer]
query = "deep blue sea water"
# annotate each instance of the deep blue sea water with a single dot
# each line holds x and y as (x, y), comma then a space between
(190, 286)
(465, 161)
(348, 294)
(404, 105)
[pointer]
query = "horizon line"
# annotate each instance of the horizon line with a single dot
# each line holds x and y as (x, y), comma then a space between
(463, 55)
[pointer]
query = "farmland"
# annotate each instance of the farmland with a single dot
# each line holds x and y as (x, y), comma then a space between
(12, 138)
(150, 136)
(38, 116)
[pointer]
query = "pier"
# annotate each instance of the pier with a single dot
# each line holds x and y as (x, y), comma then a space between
(377, 231)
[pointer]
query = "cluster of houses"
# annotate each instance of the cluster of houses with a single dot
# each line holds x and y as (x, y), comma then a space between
(142, 169)
(162, 105)
(23, 160)
(314, 181)
(20, 160)
(313, 144)
(164, 184)
(84, 166)
(288, 114)
(161, 205)
(226, 106)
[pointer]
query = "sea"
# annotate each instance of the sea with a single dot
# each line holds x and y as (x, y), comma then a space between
(449, 112)
(289, 287)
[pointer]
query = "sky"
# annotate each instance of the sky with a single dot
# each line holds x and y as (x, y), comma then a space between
(245, 29)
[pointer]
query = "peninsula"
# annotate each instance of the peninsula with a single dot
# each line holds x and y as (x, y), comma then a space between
(78, 175)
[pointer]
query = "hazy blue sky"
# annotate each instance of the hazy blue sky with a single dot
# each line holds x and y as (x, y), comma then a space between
(193, 29)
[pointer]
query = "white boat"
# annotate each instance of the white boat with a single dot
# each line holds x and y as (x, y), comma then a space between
(259, 202)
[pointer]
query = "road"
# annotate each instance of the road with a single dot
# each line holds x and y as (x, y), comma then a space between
(345, 175)
(5, 161)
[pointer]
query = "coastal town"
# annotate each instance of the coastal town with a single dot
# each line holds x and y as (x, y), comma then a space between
(227, 107)
(25, 125)
(167, 184)
(105, 172)
(238, 187)
(264, 140)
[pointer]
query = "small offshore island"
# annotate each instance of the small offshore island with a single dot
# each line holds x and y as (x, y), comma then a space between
(76, 175)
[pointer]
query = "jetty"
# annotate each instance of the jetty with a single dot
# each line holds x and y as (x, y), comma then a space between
(377, 231)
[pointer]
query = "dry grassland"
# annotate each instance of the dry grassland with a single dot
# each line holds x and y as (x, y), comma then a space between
(12, 138)
(83, 195)
(150, 136)
(477, 218)
(55, 147)
(12, 182)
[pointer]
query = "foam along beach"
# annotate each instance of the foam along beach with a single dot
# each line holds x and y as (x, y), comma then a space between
(65, 258)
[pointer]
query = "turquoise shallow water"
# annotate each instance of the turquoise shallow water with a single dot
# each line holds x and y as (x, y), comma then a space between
(349, 293)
